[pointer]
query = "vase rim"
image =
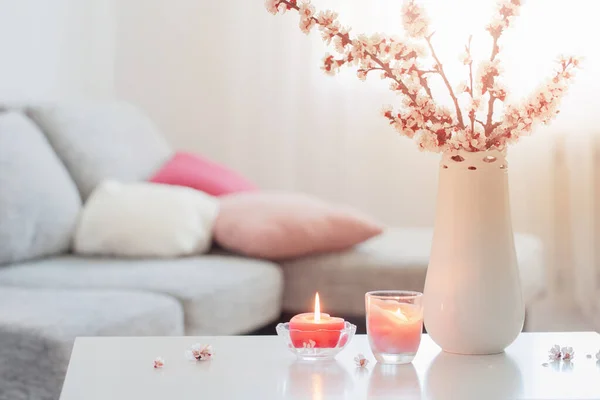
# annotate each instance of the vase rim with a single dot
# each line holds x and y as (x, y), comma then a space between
(476, 160)
(463, 151)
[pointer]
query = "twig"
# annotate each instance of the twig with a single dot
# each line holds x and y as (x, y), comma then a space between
(495, 47)
(472, 114)
(440, 70)
(480, 122)
(425, 84)
(372, 69)
(488, 124)
(489, 128)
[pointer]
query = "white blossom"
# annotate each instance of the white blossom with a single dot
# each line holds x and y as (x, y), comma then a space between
(465, 58)
(567, 353)
(462, 87)
(554, 353)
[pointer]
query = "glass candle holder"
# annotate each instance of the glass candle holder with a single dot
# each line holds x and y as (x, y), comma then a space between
(307, 350)
(394, 325)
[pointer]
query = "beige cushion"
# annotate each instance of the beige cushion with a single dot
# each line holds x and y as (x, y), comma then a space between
(397, 259)
(220, 295)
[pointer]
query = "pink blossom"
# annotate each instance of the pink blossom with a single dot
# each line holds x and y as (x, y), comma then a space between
(427, 141)
(307, 21)
(361, 361)
(200, 352)
(330, 65)
(415, 20)
(487, 74)
(278, 6)
(505, 12)
(272, 6)
(159, 362)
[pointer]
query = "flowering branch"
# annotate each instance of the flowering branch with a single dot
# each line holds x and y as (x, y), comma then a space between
(433, 127)
(440, 69)
(541, 106)
(331, 29)
(507, 10)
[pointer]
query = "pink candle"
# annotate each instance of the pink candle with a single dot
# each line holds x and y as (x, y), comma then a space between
(394, 325)
(316, 329)
(394, 328)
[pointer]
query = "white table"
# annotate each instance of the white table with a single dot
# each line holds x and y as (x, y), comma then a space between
(260, 367)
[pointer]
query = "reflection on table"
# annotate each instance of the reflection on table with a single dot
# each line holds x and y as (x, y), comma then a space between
(452, 376)
(317, 380)
(394, 381)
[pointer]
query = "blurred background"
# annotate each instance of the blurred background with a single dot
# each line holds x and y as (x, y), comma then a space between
(230, 81)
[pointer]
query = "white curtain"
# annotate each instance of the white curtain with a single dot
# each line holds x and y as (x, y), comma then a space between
(56, 50)
(244, 87)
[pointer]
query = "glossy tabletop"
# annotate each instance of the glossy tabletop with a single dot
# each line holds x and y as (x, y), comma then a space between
(260, 367)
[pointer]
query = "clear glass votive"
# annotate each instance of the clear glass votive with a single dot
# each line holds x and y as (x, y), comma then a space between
(394, 325)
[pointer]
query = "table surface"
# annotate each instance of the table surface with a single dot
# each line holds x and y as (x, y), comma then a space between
(261, 367)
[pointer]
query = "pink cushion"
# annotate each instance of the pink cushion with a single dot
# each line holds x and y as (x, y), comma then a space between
(278, 225)
(190, 170)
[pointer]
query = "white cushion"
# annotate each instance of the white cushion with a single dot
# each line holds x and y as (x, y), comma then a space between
(146, 220)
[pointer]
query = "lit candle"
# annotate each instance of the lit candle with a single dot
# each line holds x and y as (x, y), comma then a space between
(394, 328)
(315, 329)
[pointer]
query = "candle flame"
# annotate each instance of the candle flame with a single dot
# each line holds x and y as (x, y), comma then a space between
(401, 315)
(317, 308)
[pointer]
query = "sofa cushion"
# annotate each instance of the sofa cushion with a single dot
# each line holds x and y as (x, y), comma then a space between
(38, 328)
(39, 202)
(397, 259)
(220, 294)
(279, 225)
(154, 221)
(104, 141)
(200, 173)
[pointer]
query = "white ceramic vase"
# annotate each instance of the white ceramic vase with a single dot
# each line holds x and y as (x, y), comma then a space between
(472, 301)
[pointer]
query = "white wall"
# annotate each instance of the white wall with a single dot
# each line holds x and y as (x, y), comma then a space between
(59, 49)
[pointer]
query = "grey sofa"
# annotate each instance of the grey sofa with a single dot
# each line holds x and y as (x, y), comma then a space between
(52, 157)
